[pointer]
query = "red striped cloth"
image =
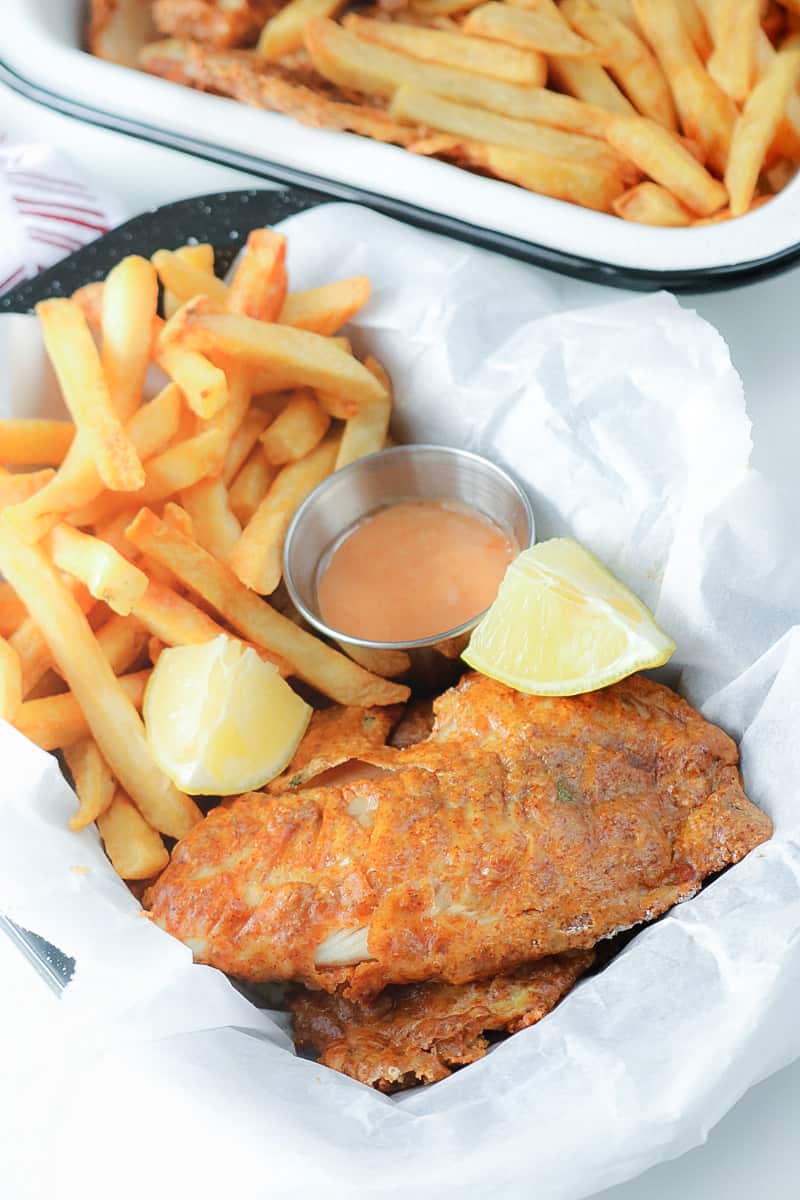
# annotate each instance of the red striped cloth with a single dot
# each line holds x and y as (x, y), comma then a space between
(47, 210)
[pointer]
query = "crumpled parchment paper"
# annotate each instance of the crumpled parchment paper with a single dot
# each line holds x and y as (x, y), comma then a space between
(625, 420)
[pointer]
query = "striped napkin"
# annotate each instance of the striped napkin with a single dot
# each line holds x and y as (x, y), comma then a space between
(47, 210)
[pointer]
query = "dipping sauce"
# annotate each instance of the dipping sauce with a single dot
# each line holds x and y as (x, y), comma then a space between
(413, 570)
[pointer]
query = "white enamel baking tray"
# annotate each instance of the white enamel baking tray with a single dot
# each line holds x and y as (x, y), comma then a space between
(41, 56)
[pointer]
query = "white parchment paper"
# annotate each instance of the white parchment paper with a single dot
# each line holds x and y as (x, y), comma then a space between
(626, 423)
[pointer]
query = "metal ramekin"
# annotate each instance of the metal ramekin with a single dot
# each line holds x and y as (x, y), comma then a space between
(414, 472)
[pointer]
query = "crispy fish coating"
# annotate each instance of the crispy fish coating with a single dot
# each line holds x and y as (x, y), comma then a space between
(523, 827)
(216, 22)
(336, 735)
(299, 93)
(420, 1032)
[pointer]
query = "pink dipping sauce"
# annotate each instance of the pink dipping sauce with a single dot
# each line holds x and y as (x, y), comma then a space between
(413, 570)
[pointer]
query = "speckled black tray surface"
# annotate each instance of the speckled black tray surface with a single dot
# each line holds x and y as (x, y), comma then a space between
(224, 219)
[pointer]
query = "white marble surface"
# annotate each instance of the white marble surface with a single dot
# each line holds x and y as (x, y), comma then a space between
(755, 1149)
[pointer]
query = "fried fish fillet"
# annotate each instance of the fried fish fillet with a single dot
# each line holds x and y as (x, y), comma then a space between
(523, 827)
(298, 93)
(216, 22)
(334, 736)
(418, 1033)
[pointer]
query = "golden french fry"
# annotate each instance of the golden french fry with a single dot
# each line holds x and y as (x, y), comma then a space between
(366, 432)
(113, 532)
(178, 518)
(58, 721)
(33, 442)
(72, 351)
(476, 124)
(10, 681)
(621, 9)
(725, 214)
(733, 62)
(387, 663)
(628, 59)
(324, 668)
(528, 29)
(442, 8)
(696, 26)
(454, 50)
(257, 556)
(92, 779)
(296, 430)
(227, 421)
(12, 610)
(30, 645)
(756, 128)
(244, 439)
(336, 404)
(112, 719)
(200, 256)
(181, 466)
(297, 356)
(122, 640)
(259, 286)
(326, 309)
(175, 469)
(786, 143)
(106, 574)
(89, 300)
(77, 483)
(347, 61)
(203, 384)
(130, 298)
(185, 280)
(215, 526)
(579, 183)
(590, 82)
(250, 485)
(650, 204)
(14, 489)
(662, 156)
(135, 849)
(175, 621)
(705, 112)
(284, 32)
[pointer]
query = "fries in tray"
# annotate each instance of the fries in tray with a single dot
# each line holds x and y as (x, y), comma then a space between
(528, 91)
(154, 524)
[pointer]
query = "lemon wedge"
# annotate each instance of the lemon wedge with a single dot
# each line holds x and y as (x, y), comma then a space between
(219, 719)
(562, 625)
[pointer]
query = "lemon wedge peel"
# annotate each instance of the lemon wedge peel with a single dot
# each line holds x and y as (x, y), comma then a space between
(562, 625)
(219, 719)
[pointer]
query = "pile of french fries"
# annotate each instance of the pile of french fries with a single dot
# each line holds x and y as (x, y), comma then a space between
(151, 523)
(664, 112)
